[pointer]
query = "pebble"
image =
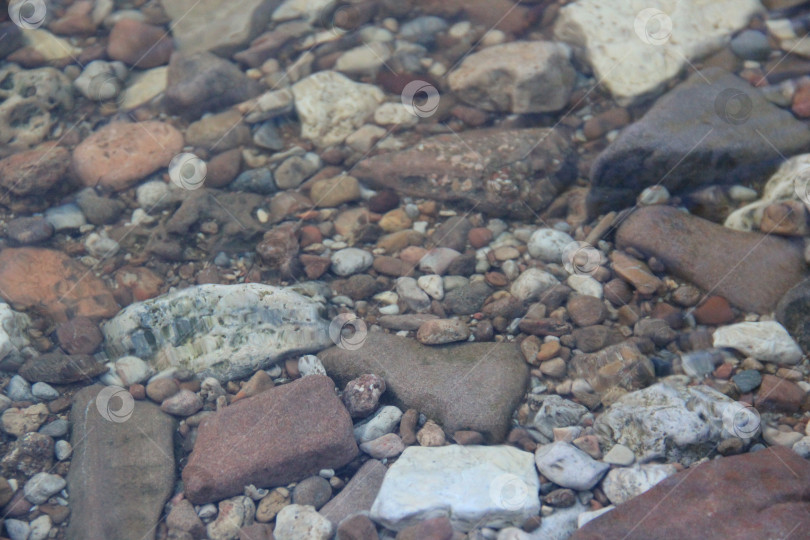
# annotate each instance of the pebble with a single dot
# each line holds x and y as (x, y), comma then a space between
(441, 331)
(431, 434)
(548, 245)
(747, 380)
(362, 395)
(65, 218)
(40, 528)
(751, 45)
(17, 529)
(309, 364)
(312, 491)
(161, 388)
(348, 261)
(414, 297)
(295, 522)
(585, 285)
(384, 421)
(531, 284)
(437, 260)
(388, 446)
(619, 455)
(18, 389)
(622, 484)
(62, 450)
(44, 391)
(568, 466)
(232, 515)
(183, 403)
(767, 341)
(100, 80)
(433, 285)
(42, 486)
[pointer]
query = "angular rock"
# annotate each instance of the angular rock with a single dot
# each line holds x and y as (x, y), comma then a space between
(772, 485)
(224, 331)
(317, 436)
(35, 171)
(715, 258)
(622, 484)
(531, 167)
(723, 132)
(472, 485)
(568, 466)
(358, 495)
(766, 341)
(121, 472)
(462, 386)
(51, 282)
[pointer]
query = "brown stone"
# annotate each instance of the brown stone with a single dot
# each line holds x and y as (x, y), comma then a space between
(79, 335)
(359, 493)
(778, 395)
(787, 217)
(142, 282)
(479, 237)
(705, 502)
(586, 310)
(34, 171)
(438, 528)
(635, 272)
(223, 168)
(714, 311)
(357, 527)
(139, 44)
(750, 270)
(316, 436)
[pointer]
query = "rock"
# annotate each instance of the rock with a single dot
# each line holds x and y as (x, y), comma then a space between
(442, 331)
(313, 491)
(517, 77)
(331, 192)
(619, 455)
(548, 245)
(139, 44)
(556, 412)
(769, 484)
(296, 522)
(531, 284)
(29, 230)
(358, 495)
(220, 131)
(79, 335)
(636, 273)
(767, 341)
(107, 500)
(362, 394)
(634, 52)
(321, 432)
(183, 403)
(388, 446)
(751, 45)
(536, 162)
(413, 296)
(44, 391)
(357, 527)
(715, 310)
(101, 80)
(121, 154)
(467, 299)
(231, 516)
(331, 106)
(202, 82)
(67, 217)
(678, 240)
(465, 386)
(199, 327)
(43, 486)
(791, 312)
(144, 87)
(662, 144)
(294, 170)
(747, 380)
(15, 347)
(621, 485)
(586, 310)
(778, 395)
(54, 284)
(384, 421)
(472, 485)
(568, 466)
(183, 517)
(28, 455)
(350, 261)
(35, 171)
(58, 368)
(431, 434)
(676, 423)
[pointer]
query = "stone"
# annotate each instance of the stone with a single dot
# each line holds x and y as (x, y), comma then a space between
(66, 217)
(138, 44)
(312, 491)
(331, 192)
(431, 434)
(35, 171)
(382, 422)
(348, 261)
(143, 87)
(331, 106)
(621, 485)
(715, 310)
(107, 500)
(635, 272)
(232, 514)
(531, 284)
(183, 517)
(533, 166)
(321, 431)
(29, 230)
(120, 154)
(442, 331)
(675, 423)
(548, 245)
(767, 341)
(414, 297)
(358, 495)
(28, 455)
(568, 466)
(15, 346)
(54, 284)
(462, 386)
(699, 251)
(362, 394)
(557, 412)
(518, 77)
(43, 486)
(467, 299)
(471, 485)
(770, 484)
(619, 455)
(388, 446)
(58, 368)
(634, 51)
(776, 394)
(218, 132)
(586, 310)
(791, 313)
(728, 116)
(101, 80)
(79, 335)
(183, 403)
(224, 331)
(747, 380)
(296, 522)
(202, 82)
(357, 527)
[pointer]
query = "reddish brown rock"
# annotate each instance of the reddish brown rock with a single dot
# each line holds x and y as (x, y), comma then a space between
(776, 394)
(77, 20)
(715, 311)
(752, 496)
(120, 154)
(431, 529)
(34, 171)
(139, 44)
(51, 282)
(142, 282)
(362, 394)
(357, 527)
(223, 168)
(359, 493)
(295, 430)
(79, 335)
(635, 272)
(58, 368)
(750, 270)
(586, 310)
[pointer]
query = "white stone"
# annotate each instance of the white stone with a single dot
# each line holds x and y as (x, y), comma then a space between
(299, 522)
(48, 46)
(101, 246)
(65, 217)
(143, 87)
(308, 9)
(568, 466)
(802, 447)
(331, 106)
(673, 422)
(309, 364)
(17, 529)
(777, 437)
(132, 370)
(767, 341)
(621, 485)
(437, 260)
(101, 80)
(384, 421)
(585, 284)
(619, 455)
(349, 261)
(517, 77)
(474, 486)
(532, 283)
(585, 517)
(62, 450)
(223, 331)
(40, 527)
(367, 58)
(548, 245)
(15, 347)
(414, 297)
(42, 486)
(432, 284)
(635, 46)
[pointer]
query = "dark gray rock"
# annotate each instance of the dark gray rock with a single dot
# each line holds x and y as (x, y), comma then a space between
(467, 299)
(793, 312)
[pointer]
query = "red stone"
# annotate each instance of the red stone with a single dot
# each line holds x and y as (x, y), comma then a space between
(714, 311)
(778, 395)
(139, 44)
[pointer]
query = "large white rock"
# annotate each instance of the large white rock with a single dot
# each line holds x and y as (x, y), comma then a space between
(673, 422)
(568, 466)
(531, 284)
(623, 484)
(331, 106)
(635, 46)
(15, 348)
(517, 77)
(475, 486)
(767, 341)
(222, 331)
(548, 245)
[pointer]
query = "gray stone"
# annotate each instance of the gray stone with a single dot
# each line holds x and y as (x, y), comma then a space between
(568, 466)
(358, 495)
(556, 412)
(767, 341)
(42, 486)
(621, 485)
